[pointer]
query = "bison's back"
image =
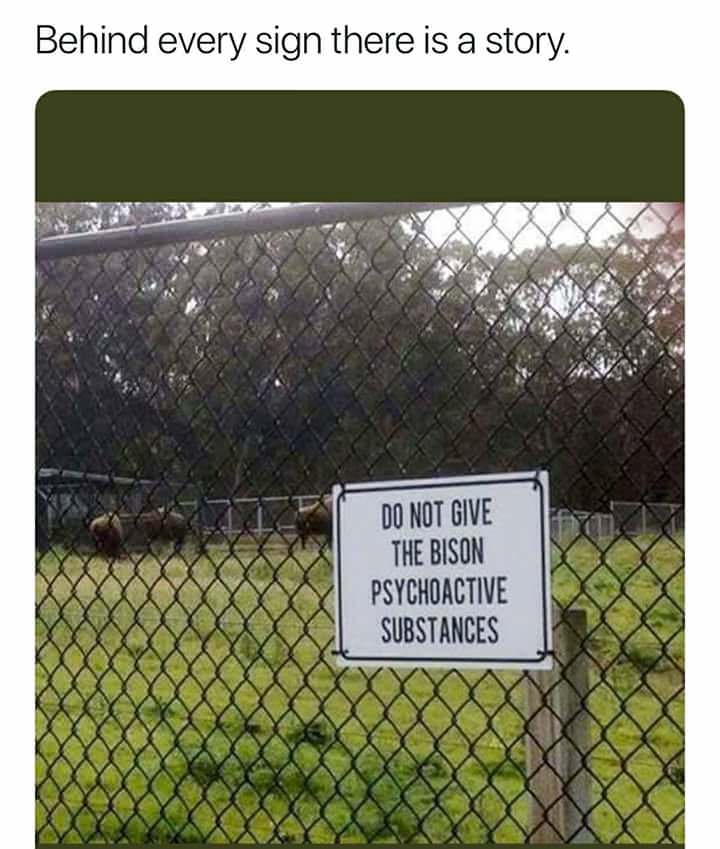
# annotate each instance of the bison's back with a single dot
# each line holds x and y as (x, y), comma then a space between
(163, 525)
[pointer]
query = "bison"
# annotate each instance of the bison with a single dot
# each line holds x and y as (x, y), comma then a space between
(163, 525)
(107, 531)
(315, 520)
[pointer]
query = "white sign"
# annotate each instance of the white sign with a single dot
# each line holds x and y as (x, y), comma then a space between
(448, 572)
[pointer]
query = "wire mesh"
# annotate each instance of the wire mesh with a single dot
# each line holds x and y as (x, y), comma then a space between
(187, 692)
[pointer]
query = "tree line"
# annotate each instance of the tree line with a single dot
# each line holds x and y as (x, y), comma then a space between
(280, 363)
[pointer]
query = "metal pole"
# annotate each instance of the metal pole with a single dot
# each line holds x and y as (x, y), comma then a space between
(220, 226)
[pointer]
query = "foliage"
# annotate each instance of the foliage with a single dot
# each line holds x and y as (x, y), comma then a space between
(284, 362)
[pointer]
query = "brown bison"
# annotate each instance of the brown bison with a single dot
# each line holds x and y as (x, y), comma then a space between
(162, 525)
(107, 531)
(315, 520)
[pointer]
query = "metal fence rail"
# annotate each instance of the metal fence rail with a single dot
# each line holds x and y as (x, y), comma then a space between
(256, 516)
(189, 693)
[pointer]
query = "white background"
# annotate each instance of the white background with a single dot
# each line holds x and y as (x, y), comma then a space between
(614, 44)
(513, 543)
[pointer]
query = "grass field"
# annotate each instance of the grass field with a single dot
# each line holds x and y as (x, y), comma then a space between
(199, 701)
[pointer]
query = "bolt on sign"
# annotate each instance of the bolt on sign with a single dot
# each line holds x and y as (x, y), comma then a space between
(451, 572)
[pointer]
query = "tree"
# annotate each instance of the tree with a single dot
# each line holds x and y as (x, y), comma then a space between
(282, 362)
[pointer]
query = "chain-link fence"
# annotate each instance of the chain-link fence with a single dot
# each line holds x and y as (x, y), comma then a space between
(188, 692)
(637, 517)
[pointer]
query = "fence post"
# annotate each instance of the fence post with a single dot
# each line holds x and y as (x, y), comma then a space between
(259, 519)
(42, 522)
(557, 739)
(203, 532)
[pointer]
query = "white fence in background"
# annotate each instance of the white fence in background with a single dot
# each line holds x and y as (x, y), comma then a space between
(568, 524)
(276, 513)
(648, 517)
(260, 515)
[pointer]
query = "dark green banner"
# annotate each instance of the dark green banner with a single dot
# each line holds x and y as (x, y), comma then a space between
(359, 145)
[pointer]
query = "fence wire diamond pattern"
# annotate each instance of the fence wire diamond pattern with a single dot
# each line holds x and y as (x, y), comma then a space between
(233, 368)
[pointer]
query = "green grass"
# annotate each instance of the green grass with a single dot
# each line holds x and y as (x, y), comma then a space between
(200, 701)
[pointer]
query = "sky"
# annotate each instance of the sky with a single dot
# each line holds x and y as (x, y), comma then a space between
(494, 225)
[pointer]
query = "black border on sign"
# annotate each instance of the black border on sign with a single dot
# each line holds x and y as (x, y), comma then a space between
(542, 653)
